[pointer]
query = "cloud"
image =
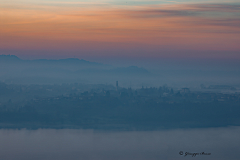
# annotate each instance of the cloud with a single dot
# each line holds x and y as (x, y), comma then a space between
(217, 7)
(160, 27)
(159, 13)
(197, 10)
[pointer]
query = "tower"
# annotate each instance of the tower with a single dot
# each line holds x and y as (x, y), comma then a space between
(117, 85)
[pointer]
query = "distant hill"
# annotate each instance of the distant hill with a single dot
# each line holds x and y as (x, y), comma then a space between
(66, 61)
(76, 61)
(51, 71)
(85, 66)
(9, 58)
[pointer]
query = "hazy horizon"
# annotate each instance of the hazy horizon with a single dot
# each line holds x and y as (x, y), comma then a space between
(113, 79)
(173, 72)
(113, 29)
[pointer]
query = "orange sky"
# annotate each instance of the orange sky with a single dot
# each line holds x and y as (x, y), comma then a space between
(195, 27)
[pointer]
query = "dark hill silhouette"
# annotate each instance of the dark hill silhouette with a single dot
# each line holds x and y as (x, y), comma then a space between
(44, 71)
(66, 61)
(9, 58)
(76, 61)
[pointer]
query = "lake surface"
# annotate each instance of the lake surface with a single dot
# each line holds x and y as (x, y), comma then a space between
(70, 144)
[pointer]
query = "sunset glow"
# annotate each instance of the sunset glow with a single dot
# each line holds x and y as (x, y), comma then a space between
(99, 28)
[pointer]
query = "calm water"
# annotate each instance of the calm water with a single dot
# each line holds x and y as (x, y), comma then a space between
(67, 144)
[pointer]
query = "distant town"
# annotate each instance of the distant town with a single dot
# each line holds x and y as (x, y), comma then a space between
(99, 106)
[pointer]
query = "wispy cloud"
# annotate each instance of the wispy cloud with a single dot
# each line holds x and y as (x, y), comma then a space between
(179, 26)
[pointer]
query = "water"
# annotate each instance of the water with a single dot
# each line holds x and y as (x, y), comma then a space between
(70, 144)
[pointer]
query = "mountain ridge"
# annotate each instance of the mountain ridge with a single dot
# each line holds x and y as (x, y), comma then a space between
(13, 58)
(70, 65)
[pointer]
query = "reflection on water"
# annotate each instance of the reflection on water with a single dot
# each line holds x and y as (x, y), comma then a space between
(51, 144)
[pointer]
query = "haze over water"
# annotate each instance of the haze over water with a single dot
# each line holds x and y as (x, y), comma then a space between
(51, 144)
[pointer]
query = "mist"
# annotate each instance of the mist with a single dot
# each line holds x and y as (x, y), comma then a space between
(177, 73)
(221, 143)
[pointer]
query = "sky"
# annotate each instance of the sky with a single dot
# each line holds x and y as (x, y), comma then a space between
(121, 29)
